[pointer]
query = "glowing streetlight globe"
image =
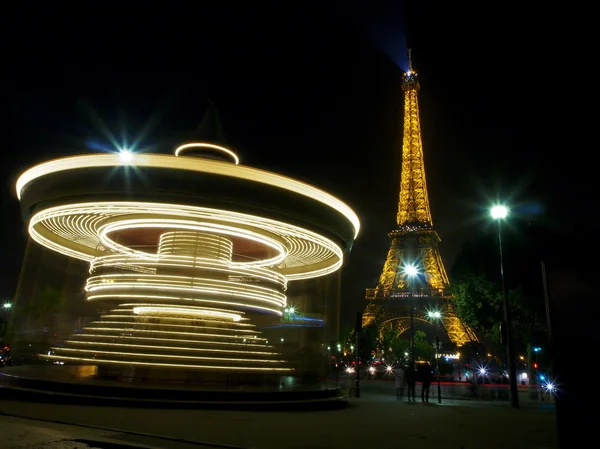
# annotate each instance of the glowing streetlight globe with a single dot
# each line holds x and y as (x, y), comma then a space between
(411, 270)
(125, 155)
(550, 387)
(499, 212)
(434, 315)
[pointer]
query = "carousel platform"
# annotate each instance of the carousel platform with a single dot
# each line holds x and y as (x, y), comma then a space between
(84, 385)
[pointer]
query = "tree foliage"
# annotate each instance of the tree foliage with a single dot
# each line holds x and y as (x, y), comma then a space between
(367, 342)
(423, 349)
(480, 304)
(477, 287)
(395, 345)
(477, 302)
(388, 343)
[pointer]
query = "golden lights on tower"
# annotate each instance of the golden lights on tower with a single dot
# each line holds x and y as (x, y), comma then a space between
(415, 242)
(413, 203)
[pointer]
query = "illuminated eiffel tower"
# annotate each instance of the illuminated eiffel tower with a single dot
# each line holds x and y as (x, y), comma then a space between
(413, 272)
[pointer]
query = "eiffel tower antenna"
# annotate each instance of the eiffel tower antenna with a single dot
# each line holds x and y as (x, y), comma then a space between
(414, 279)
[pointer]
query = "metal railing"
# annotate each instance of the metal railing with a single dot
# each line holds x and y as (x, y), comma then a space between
(398, 293)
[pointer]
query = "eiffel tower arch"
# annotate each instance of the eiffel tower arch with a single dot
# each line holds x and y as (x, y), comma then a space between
(413, 275)
(393, 311)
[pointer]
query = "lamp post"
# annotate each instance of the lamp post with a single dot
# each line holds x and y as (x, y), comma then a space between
(288, 313)
(499, 213)
(6, 307)
(411, 271)
(435, 316)
(358, 329)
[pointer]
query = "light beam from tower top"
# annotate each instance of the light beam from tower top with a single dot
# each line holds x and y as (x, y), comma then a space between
(410, 79)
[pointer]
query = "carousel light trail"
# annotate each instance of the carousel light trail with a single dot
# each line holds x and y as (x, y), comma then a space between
(191, 164)
(191, 146)
(80, 230)
(185, 298)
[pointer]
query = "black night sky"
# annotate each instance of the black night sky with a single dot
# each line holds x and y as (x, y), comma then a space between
(309, 89)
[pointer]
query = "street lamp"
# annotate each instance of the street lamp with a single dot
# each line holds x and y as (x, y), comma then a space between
(289, 313)
(7, 305)
(411, 272)
(499, 213)
(435, 316)
(125, 155)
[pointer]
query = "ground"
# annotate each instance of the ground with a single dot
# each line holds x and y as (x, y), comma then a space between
(374, 419)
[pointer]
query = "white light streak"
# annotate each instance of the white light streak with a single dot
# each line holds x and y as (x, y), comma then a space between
(189, 164)
(189, 146)
(185, 311)
(80, 231)
(184, 299)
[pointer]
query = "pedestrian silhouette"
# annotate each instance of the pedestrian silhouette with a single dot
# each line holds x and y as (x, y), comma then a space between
(400, 381)
(427, 377)
(410, 376)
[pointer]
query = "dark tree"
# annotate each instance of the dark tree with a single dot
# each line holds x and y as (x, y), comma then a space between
(477, 284)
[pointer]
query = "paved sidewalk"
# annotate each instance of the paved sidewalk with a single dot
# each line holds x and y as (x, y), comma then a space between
(18, 433)
(374, 419)
(21, 433)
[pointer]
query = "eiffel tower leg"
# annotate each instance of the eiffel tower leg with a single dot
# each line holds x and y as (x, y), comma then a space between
(371, 314)
(458, 332)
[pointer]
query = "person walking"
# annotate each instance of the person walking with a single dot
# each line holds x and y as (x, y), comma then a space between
(399, 382)
(426, 383)
(410, 376)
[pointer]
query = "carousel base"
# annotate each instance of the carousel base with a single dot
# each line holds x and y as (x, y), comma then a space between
(91, 385)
